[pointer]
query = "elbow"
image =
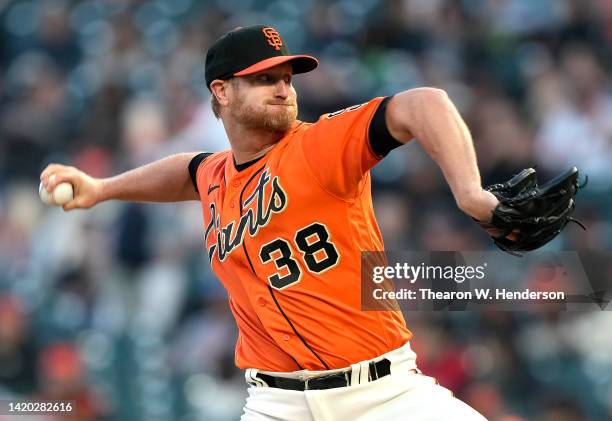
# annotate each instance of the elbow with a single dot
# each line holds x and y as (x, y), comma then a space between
(425, 100)
(409, 111)
(429, 100)
(430, 94)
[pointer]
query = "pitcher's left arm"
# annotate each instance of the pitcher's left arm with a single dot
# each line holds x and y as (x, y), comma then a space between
(429, 116)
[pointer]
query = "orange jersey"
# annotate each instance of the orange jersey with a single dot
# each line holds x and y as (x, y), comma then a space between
(284, 236)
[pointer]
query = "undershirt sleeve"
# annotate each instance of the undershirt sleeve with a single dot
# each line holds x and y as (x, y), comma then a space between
(193, 167)
(381, 140)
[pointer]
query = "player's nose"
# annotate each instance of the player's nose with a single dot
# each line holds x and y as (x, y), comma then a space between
(281, 89)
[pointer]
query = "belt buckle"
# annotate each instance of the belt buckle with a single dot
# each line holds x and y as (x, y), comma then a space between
(345, 374)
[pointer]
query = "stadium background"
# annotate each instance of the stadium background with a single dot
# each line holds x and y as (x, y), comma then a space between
(116, 307)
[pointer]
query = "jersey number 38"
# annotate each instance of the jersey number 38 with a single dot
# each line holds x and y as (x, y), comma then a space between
(318, 253)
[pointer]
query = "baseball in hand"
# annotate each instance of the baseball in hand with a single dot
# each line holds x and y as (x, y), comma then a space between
(61, 195)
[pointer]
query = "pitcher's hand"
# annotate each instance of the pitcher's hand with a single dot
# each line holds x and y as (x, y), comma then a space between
(87, 190)
(480, 206)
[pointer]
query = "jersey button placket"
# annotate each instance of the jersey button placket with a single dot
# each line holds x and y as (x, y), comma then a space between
(262, 301)
(286, 337)
(235, 184)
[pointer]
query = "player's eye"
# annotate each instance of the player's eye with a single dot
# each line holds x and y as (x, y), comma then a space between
(287, 79)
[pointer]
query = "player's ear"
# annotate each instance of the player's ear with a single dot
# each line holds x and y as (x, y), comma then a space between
(219, 89)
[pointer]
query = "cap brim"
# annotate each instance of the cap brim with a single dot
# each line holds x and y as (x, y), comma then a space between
(301, 64)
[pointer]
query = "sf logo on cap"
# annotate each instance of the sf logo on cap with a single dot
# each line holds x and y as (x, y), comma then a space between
(274, 38)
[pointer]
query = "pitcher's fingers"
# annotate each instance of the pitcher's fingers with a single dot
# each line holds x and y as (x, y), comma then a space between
(50, 170)
(63, 176)
(514, 235)
(73, 204)
(495, 232)
(78, 202)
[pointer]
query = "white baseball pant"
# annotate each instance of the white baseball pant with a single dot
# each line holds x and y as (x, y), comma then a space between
(405, 394)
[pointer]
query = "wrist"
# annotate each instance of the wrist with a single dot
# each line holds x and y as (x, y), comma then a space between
(467, 199)
(478, 204)
(102, 189)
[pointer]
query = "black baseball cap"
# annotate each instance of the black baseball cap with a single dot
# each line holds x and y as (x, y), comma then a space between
(250, 49)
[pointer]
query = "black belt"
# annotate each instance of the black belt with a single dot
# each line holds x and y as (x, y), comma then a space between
(377, 370)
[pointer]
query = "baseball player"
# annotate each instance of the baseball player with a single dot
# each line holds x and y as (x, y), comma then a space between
(286, 214)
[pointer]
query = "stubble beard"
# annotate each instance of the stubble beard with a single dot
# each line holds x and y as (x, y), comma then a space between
(262, 118)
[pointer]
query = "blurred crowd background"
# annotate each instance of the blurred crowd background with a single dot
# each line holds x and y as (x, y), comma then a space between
(116, 307)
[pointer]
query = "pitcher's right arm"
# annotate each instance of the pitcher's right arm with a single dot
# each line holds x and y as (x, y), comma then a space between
(165, 180)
